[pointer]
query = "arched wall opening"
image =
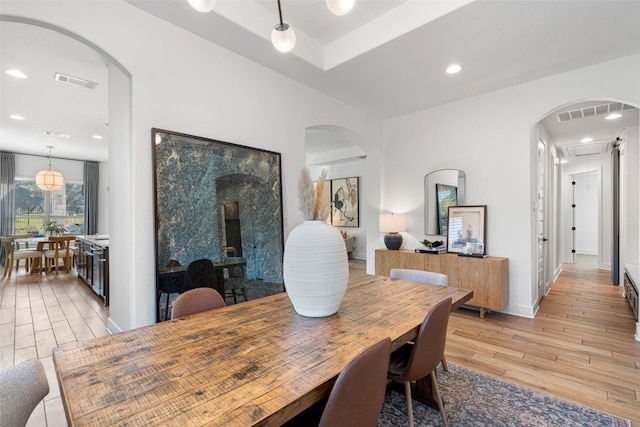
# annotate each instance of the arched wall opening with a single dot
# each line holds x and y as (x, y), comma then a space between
(339, 151)
(116, 193)
(566, 160)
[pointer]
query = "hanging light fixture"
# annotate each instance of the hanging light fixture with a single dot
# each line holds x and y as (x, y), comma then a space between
(282, 36)
(49, 180)
(340, 7)
(203, 6)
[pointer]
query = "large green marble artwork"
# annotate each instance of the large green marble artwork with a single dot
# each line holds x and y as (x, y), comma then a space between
(194, 178)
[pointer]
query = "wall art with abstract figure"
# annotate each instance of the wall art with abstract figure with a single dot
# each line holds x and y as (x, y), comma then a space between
(344, 202)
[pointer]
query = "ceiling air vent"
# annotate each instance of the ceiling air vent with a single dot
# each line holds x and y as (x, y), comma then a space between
(75, 81)
(591, 111)
(580, 150)
(57, 134)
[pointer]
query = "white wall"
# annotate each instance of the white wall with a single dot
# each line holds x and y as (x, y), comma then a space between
(183, 83)
(489, 137)
(630, 206)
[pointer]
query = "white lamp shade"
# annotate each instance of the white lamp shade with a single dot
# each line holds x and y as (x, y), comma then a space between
(340, 7)
(49, 180)
(283, 38)
(393, 223)
(203, 6)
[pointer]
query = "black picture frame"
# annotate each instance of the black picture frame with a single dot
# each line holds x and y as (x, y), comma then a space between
(466, 232)
(197, 181)
(446, 196)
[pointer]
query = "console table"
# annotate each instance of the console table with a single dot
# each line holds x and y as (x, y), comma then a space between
(488, 278)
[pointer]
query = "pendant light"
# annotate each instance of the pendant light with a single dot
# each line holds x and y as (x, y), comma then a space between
(49, 180)
(340, 7)
(282, 36)
(203, 6)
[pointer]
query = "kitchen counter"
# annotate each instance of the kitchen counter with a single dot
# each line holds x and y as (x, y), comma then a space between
(96, 239)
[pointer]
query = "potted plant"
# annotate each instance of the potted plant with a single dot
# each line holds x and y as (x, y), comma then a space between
(315, 266)
(53, 228)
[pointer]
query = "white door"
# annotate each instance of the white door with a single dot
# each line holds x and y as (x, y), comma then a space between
(540, 209)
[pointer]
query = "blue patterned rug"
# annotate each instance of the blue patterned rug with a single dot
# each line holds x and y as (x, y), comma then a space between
(473, 399)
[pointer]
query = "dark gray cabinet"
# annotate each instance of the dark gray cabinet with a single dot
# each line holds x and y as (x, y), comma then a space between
(93, 266)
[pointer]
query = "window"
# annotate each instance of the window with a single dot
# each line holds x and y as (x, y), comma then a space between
(35, 207)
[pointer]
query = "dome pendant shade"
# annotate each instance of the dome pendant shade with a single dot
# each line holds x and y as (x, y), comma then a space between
(203, 6)
(340, 7)
(49, 180)
(283, 37)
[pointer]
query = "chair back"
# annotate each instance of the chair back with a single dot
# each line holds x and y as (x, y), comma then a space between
(200, 274)
(429, 344)
(195, 301)
(7, 242)
(21, 236)
(358, 394)
(419, 276)
(22, 387)
(61, 245)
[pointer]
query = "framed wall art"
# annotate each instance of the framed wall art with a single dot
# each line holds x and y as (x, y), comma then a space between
(345, 210)
(466, 231)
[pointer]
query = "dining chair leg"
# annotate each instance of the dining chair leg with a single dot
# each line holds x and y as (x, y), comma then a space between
(445, 367)
(407, 393)
(436, 394)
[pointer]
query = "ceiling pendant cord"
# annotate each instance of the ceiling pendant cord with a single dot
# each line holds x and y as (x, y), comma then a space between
(283, 37)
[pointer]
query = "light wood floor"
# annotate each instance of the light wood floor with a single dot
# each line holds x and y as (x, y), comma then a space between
(579, 347)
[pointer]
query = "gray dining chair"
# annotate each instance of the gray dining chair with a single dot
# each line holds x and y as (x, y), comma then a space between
(422, 277)
(416, 360)
(22, 387)
(419, 276)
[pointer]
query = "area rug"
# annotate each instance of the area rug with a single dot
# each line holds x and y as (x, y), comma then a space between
(473, 399)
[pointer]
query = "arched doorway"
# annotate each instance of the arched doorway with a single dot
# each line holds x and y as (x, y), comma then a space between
(581, 140)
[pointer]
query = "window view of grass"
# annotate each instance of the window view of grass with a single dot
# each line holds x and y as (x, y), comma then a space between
(65, 206)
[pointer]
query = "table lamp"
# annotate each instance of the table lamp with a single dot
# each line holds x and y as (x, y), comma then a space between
(393, 224)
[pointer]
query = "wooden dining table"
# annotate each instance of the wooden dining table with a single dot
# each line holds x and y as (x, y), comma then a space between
(257, 363)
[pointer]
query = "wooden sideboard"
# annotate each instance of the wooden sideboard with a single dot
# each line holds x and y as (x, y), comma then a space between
(488, 278)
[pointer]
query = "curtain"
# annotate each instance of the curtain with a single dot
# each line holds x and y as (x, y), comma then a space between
(7, 196)
(91, 180)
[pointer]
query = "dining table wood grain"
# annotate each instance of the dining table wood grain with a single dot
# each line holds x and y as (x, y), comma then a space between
(257, 363)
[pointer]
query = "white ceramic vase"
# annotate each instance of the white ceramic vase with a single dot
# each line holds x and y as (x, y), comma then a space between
(315, 269)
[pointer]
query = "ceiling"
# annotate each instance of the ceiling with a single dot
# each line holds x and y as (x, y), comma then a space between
(385, 57)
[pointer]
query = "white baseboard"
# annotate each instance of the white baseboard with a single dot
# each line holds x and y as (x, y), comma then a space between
(112, 327)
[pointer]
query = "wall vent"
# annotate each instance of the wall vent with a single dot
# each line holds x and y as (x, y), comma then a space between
(75, 81)
(591, 111)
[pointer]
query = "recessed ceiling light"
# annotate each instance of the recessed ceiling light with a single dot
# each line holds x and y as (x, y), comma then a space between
(16, 73)
(613, 116)
(57, 134)
(564, 161)
(453, 69)
(587, 139)
(16, 117)
(96, 136)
